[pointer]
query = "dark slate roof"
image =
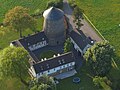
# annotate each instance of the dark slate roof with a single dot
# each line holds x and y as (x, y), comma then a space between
(53, 13)
(30, 40)
(80, 40)
(34, 58)
(53, 62)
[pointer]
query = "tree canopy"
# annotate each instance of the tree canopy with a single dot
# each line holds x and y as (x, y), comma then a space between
(67, 45)
(103, 82)
(19, 19)
(44, 83)
(78, 15)
(14, 63)
(55, 3)
(99, 58)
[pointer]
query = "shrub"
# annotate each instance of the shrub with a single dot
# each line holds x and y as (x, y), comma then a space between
(55, 3)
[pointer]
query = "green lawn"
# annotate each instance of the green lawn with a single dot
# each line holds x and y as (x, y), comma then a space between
(47, 54)
(12, 84)
(85, 84)
(105, 15)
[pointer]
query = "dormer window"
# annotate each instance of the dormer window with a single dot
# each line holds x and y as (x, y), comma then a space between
(41, 68)
(42, 38)
(59, 62)
(28, 44)
(63, 61)
(47, 66)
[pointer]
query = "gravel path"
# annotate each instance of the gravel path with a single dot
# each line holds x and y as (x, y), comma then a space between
(87, 29)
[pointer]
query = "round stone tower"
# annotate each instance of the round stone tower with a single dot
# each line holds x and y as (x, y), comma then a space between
(54, 26)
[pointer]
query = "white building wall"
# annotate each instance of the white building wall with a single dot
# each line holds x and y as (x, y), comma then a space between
(55, 69)
(32, 71)
(78, 48)
(38, 45)
(85, 49)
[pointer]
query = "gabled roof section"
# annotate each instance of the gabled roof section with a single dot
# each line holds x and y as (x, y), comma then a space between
(53, 62)
(30, 40)
(81, 41)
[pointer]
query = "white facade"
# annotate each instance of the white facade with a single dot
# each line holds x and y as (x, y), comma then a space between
(78, 48)
(38, 45)
(51, 71)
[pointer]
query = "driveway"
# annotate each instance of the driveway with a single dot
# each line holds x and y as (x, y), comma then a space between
(87, 29)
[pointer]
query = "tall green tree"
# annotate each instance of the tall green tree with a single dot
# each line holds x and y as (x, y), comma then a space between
(40, 87)
(19, 19)
(103, 82)
(67, 45)
(55, 3)
(14, 63)
(44, 83)
(99, 58)
(78, 15)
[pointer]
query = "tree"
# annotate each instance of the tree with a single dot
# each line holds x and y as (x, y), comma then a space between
(67, 45)
(55, 3)
(103, 82)
(40, 87)
(78, 15)
(3, 30)
(19, 19)
(44, 83)
(14, 63)
(99, 58)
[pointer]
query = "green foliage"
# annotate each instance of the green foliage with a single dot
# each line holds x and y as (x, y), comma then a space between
(72, 3)
(19, 19)
(40, 87)
(14, 63)
(99, 58)
(102, 82)
(67, 45)
(33, 5)
(78, 15)
(47, 54)
(3, 30)
(55, 3)
(44, 83)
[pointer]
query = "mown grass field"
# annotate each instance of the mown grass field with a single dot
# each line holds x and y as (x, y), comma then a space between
(105, 15)
(33, 5)
(86, 82)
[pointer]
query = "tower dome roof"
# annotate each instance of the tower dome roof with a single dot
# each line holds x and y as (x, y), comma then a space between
(53, 13)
